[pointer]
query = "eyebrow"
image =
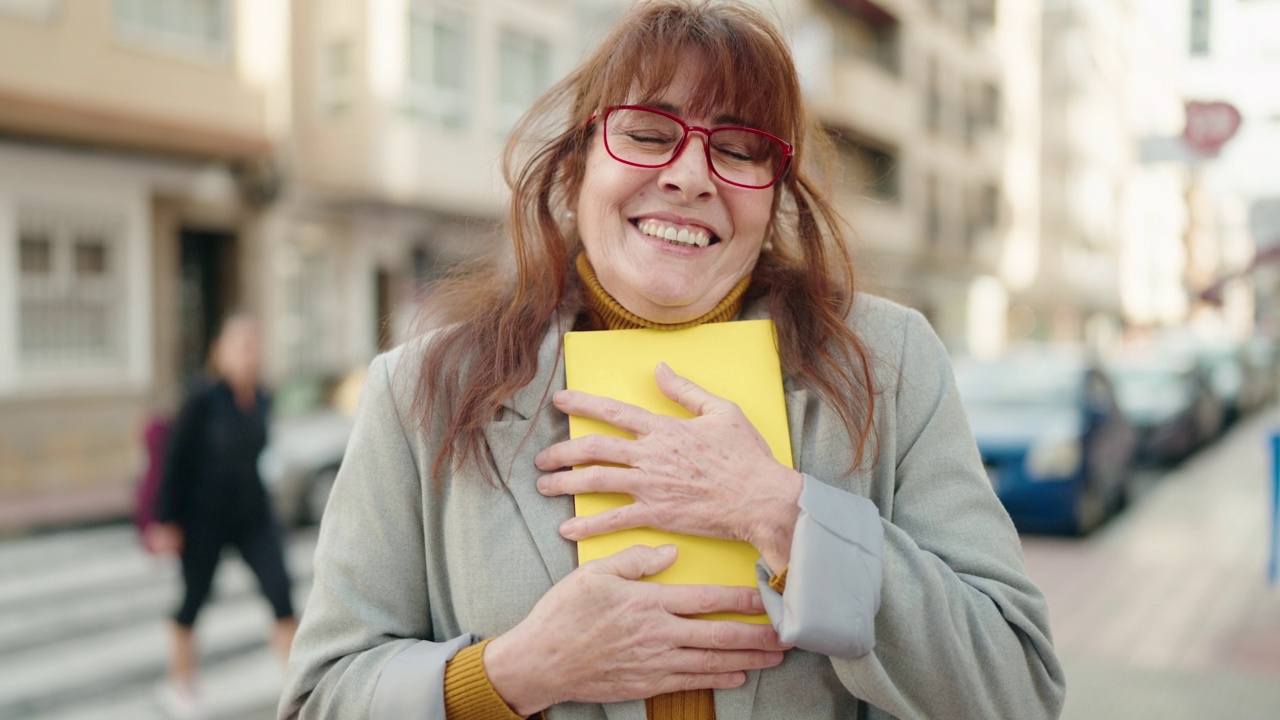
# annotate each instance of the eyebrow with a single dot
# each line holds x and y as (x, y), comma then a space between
(717, 121)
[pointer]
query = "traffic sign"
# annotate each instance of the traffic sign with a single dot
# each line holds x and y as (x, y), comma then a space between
(1209, 125)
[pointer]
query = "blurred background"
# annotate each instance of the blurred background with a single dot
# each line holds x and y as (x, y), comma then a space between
(1083, 197)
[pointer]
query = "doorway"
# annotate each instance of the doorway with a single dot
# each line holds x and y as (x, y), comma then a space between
(207, 291)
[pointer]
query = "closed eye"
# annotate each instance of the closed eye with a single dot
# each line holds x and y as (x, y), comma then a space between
(649, 139)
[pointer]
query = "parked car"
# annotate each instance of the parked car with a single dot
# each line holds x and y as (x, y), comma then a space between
(1169, 402)
(1226, 375)
(1260, 379)
(313, 420)
(1057, 448)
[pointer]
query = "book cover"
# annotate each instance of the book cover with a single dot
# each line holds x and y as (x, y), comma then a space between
(737, 361)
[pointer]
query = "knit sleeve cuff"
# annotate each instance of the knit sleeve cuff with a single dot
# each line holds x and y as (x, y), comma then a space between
(468, 694)
(778, 581)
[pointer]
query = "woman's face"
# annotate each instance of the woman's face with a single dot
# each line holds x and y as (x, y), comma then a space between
(621, 211)
(238, 353)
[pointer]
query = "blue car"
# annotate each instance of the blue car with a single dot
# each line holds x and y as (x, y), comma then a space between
(1057, 448)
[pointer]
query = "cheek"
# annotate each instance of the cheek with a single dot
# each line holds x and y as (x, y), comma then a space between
(751, 216)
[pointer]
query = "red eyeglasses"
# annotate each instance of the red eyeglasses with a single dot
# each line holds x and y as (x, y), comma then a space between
(649, 138)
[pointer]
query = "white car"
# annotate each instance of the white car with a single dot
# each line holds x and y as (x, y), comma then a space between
(308, 437)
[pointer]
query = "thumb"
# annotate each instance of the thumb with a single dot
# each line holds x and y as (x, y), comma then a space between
(637, 561)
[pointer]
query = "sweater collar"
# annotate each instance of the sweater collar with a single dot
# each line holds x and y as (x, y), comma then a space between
(606, 313)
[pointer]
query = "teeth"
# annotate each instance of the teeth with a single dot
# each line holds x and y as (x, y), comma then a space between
(695, 238)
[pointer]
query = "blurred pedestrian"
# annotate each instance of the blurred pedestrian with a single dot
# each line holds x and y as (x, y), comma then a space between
(211, 496)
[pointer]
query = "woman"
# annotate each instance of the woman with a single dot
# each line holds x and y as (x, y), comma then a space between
(211, 496)
(670, 182)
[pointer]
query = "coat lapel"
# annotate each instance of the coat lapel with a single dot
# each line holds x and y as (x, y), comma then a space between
(531, 424)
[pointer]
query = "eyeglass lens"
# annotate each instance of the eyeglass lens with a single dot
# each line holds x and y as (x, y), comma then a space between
(649, 139)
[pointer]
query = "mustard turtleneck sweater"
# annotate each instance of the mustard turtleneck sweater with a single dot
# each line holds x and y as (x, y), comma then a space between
(468, 694)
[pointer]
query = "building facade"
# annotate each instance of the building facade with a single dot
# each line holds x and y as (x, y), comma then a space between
(165, 163)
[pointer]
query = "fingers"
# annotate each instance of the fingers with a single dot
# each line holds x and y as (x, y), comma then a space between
(587, 450)
(635, 562)
(687, 393)
(701, 599)
(631, 515)
(623, 416)
(723, 661)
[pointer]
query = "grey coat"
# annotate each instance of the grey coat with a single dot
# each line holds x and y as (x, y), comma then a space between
(410, 568)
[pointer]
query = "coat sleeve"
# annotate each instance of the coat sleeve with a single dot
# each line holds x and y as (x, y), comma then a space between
(181, 462)
(360, 649)
(961, 629)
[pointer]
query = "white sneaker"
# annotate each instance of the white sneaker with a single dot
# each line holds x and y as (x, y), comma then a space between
(178, 703)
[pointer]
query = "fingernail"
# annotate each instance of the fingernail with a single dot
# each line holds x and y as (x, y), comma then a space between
(566, 529)
(667, 550)
(665, 369)
(542, 484)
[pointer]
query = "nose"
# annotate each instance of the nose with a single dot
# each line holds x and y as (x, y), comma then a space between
(689, 172)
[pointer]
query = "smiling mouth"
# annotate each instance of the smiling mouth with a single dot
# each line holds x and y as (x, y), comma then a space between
(676, 236)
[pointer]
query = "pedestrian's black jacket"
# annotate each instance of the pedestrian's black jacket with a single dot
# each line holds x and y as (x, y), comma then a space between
(211, 463)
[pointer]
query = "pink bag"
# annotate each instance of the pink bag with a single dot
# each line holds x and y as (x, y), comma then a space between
(154, 437)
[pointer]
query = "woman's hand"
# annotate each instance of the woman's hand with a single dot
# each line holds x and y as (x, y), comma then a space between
(163, 538)
(711, 475)
(601, 635)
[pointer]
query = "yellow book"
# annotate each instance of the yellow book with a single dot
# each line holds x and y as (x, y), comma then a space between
(734, 360)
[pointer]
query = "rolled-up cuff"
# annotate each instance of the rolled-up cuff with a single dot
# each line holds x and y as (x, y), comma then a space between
(412, 684)
(834, 574)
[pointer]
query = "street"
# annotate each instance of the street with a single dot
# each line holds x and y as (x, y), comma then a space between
(1163, 613)
(83, 630)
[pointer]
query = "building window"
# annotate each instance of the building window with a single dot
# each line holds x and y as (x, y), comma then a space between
(309, 304)
(439, 66)
(36, 9)
(932, 213)
(932, 96)
(199, 26)
(869, 169)
(70, 290)
(1199, 27)
(982, 16)
(867, 31)
(982, 213)
(524, 66)
(338, 78)
(982, 113)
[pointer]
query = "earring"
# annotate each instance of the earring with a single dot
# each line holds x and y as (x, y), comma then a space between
(768, 246)
(568, 215)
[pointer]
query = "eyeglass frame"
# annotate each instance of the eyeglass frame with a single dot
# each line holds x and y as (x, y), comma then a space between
(788, 150)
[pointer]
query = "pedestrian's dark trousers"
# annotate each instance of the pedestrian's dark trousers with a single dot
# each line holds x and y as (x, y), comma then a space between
(259, 543)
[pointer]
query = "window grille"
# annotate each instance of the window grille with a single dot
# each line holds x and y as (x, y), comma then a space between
(525, 69)
(1199, 38)
(202, 26)
(36, 9)
(308, 291)
(439, 67)
(70, 289)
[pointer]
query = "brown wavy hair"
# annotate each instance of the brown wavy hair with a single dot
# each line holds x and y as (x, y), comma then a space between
(489, 318)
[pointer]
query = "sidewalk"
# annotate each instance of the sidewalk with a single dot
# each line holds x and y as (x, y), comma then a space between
(1165, 613)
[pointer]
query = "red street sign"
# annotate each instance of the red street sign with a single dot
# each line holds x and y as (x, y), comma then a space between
(1209, 125)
